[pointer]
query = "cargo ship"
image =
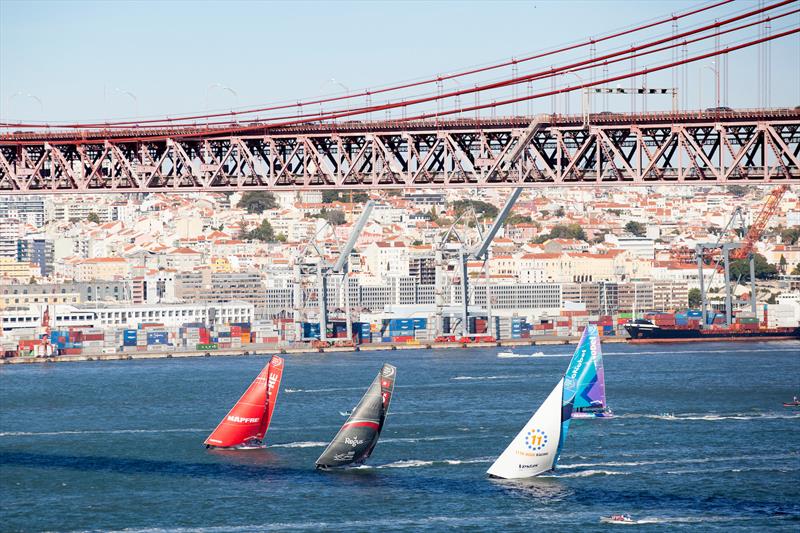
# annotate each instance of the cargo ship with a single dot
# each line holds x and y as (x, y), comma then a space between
(643, 330)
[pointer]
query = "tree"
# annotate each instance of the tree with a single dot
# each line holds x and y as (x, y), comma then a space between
(513, 220)
(782, 264)
(335, 217)
(796, 270)
(563, 231)
(93, 217)
(695, 298)
(280, 237)
(559, 212)
(740, 269)
(257, 201)
(263, 232)
(790, 235)
(482, 209)
(636, 228)
(737, 190)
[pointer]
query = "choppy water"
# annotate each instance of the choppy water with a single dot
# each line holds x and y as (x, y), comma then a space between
(118, 445)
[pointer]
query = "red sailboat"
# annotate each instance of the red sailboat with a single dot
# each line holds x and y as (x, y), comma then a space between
(245, 426)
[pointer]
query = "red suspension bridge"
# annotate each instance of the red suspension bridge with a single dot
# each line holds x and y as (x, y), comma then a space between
(333, 142)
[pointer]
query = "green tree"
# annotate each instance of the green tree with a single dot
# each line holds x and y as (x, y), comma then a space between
(559, 212)
(740, 269)
(335, 217)
(513, 220)
(263, 232)
(482, 209)
(563, 231)
(737, 190)
(636, 228)
(790, 235)
(280, 237)
(782, 264)
(796, 270)
(93, 217)
(695, 298)
(257, 201)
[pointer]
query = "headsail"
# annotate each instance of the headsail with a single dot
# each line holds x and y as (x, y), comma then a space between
(248, 420)
(355, 441)
(535, 449)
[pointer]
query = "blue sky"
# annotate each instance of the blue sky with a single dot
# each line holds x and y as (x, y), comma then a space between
(81, 59)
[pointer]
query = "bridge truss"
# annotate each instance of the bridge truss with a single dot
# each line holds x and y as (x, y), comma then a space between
(758, 147)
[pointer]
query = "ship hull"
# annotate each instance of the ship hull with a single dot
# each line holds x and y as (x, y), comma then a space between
(648, 334)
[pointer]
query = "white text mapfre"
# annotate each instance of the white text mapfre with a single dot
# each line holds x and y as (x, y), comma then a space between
(243, 420)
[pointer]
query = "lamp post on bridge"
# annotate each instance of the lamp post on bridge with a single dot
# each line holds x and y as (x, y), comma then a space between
(334, 81)
(26, 95)
(715, 70)
(133, 96)
(222, 87)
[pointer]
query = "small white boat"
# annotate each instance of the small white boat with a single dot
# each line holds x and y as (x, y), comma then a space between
(617, 519)
(511, 355)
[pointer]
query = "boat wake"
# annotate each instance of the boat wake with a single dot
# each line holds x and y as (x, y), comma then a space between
(97, 432)
(589, 473)
(418, 463)
(514, 355)
(688, 461)
(334, 389)
(713, 417)
(300, 444)
(481, 378)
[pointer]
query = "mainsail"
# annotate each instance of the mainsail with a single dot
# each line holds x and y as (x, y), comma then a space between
(355, 441)
(536, 448)
(248, 420)
(590, 386)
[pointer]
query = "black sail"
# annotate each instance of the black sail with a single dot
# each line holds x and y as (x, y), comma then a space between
(355, 441)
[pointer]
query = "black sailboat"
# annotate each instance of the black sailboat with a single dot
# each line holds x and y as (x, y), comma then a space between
(355, 441)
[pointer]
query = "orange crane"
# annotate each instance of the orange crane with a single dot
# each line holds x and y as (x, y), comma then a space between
(760, 223)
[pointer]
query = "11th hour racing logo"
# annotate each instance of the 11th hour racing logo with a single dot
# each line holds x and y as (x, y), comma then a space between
(535, 440)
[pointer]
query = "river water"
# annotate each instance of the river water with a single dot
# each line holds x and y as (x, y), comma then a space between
(701, 439)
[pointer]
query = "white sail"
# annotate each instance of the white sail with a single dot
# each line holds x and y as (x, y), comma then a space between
(535, 449)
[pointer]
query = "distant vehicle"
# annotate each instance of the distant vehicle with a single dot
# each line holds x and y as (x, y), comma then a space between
(617, 519)
(721, 109)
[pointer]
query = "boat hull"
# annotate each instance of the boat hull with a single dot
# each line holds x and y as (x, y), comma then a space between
(582, 416)
(646, 333)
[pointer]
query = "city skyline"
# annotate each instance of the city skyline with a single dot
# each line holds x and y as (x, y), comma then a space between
(225, 58)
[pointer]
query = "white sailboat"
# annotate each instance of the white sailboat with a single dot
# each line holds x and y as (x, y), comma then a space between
(536, 448)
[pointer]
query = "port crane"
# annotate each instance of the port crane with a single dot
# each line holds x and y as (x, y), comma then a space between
(323, 271)
(737, 250)
(481, 251)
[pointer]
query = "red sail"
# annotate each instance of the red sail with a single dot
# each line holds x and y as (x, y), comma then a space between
(273, 386)
(248, 421)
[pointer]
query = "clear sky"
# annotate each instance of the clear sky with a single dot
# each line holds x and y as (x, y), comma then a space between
(83, 60)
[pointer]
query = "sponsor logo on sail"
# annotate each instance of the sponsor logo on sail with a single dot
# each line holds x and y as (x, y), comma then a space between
(242, 420)
(388, 371)
(347, 456)
(353, 441)
(271, 383)
(276, 361)
(536, 440)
